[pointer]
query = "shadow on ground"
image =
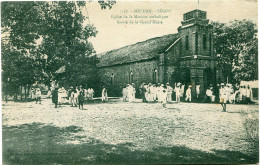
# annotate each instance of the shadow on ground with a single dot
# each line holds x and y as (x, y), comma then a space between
(37, 143)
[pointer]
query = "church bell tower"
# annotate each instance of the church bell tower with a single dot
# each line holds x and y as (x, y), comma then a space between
(196, 52)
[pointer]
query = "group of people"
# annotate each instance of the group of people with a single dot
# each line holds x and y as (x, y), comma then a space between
(163, 93)
(76, 96)
(237, 94)
(157, 93)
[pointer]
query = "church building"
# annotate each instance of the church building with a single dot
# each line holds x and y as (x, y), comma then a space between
(185, 57)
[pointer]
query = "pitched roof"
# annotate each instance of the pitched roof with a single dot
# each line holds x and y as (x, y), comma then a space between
(140, 51)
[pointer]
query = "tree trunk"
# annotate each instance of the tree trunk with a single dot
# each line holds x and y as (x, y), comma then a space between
(25, 92)
(21, 93)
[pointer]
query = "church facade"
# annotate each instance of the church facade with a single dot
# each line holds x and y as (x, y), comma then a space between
(185, 57)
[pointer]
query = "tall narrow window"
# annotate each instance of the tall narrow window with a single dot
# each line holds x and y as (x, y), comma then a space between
(112, 79)
(187, 42)
(204, 41)
(131, 76)
(196, 43)
(155, 76)
(210, 44)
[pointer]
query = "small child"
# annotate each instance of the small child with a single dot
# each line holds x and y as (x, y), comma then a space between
(164, 98)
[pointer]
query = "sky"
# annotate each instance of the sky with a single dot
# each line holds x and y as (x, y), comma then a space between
(112, 35)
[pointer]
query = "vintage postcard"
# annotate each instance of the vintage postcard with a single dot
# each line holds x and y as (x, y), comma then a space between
(130, 82)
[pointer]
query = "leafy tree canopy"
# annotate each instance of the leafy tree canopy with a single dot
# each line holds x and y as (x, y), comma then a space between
(236, 43)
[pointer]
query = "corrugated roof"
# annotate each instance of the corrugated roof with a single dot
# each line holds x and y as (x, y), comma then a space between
(140, 51)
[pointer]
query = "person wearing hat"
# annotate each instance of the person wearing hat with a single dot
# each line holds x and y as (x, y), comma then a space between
(188, 94)
(169, 92)
(55, 97)
(177, 91)
(38, 95)
(223, 96)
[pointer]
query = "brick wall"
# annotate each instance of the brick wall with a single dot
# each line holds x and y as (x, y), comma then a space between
(142, 72)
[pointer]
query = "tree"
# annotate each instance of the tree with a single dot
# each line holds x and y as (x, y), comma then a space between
(236, 42)
(41, 37)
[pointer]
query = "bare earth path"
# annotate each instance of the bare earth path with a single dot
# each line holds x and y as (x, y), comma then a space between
(116, 133)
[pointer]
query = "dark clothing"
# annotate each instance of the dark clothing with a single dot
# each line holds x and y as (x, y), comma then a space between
(55, 97)
(143, 90)
(81, 98)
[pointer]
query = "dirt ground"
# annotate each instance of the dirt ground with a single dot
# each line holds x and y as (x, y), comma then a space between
(129, 133)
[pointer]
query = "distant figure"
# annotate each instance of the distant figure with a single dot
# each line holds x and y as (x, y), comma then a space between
(164, 98)
(223, 97)
(249, 95)
(188, 94)
(104, 94)
(81, 97)
(74, 97)
(208, 96)
(134, 92)
(130, 94)
(142, 91)
(69, 94)
(169, 92)
(55, 97)
(177, 91)
(197, 90)
(38, 95)
(124, 93)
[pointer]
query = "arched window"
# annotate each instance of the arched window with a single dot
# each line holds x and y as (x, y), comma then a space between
(155, 76)
(131, 76)
(204, 41)
(196, 43)
(187, 42)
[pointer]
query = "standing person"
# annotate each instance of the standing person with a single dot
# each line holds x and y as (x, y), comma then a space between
(134, 91)
(197, 90)
(158, 92)
(81, 97)
(164, 98)
(146, 93)
(55, 97)
(188, 94)
(124, 93)
(104, 94)
(72, 98)
(177, 91)
(130, 93)
(249, 95)
(38, 95)
(69, 94)
(142, 91)
(208, 95)
(169, 92)
(92, 93)
(223, 97)
(149, 92)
